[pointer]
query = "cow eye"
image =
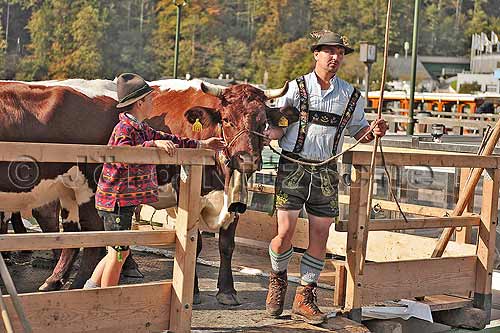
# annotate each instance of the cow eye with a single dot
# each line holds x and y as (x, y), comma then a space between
(226, 122)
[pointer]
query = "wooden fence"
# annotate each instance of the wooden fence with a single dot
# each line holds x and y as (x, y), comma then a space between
(150, 307)
(456, 123)
(383, 265)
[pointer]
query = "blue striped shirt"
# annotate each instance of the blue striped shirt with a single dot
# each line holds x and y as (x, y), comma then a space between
(318, 144)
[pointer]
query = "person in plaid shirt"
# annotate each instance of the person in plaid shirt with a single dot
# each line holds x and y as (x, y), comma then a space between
(122, 186)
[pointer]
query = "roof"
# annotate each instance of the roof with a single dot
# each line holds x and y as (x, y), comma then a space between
(400, 69)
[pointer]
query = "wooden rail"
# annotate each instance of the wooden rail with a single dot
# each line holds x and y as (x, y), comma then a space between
(138, 308)
(48, 241)
(399, 265)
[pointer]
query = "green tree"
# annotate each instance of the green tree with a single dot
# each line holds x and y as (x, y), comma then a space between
(87, 31)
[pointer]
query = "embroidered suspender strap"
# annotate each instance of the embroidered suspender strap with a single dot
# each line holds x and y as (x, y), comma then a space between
(303, 114)
(346, 116)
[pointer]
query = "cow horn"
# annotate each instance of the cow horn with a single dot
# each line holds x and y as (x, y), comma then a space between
(275, 93)
(212, 89)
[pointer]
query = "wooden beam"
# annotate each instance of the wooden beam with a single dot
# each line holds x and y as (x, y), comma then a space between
(59, 240)
(355, 252)
(382, 245)
(340, 283)
(407, 208)
(410, 278)
(487, 232)
(446, 302)
(420, 159)
(186, 229)
(464, 235)
(128, 308)
(416, 223)
(76, 153)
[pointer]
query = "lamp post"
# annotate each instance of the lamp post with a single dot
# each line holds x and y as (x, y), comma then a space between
(368, 55)
(414, 48)
(179, 4)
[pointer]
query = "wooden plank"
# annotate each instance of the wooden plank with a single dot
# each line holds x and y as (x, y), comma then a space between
(186, 229)
(407, 208)
(76, 153)
(420, 159)
(446, 302)
(464, 234)
(59, 240)
(410, 278)
(129, 308)
(355, 251)
(382, 245)
(416, 223)
(487, 232)
(340, 283)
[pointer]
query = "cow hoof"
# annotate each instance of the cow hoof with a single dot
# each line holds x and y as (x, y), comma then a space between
(54, 286)
(228, 299)
(196, 298)
(133, 273)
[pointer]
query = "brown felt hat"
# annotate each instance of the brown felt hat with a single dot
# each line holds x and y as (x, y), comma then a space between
(334, 39)
(131, 88)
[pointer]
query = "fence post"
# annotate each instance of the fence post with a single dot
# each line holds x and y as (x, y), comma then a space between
(355, 252)
(486, 241)
(186, 231)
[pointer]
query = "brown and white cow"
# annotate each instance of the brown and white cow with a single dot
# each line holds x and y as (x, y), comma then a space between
(78, 111)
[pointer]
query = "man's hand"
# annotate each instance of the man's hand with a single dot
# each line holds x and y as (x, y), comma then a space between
(272, 133)
(213, 143)
(379, 128)
(168, 145)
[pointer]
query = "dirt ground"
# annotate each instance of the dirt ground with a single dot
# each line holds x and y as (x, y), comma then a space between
(209, 316)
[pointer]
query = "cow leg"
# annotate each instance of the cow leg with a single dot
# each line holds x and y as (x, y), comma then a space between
(17, 224)
(4, 228)
(48, 220)
(130, 268)
(227, 294)
(66, 260)
(19, 228)
(196, 290)
(89, 221)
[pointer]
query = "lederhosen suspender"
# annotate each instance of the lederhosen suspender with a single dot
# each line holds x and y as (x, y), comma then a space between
(346, 116)
(304, 116)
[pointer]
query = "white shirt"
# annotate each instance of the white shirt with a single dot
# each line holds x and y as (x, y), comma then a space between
(318, 144)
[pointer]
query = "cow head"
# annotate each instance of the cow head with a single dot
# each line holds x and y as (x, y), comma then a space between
(242, 117)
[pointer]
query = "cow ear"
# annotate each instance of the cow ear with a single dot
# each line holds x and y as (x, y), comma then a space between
(206, 116)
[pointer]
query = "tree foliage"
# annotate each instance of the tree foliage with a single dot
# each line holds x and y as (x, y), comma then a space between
(263, 41)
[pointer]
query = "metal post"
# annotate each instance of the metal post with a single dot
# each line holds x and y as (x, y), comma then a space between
(177, 36)
(411, 119)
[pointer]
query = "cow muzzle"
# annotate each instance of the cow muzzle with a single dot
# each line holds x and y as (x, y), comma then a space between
(245, 162)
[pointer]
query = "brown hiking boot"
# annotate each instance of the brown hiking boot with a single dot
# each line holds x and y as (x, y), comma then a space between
(304, 305)
(276, 294)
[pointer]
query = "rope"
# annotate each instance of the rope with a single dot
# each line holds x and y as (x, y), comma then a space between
(318, 164)
(379, 111)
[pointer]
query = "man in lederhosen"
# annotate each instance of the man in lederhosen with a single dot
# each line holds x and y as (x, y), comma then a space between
(328, 106)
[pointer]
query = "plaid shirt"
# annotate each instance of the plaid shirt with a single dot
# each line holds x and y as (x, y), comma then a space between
(132, 184)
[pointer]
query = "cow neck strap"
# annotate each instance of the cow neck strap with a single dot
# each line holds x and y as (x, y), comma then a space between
(303, 114)
(346, 117)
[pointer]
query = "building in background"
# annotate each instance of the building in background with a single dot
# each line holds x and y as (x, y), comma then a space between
(484, 61)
